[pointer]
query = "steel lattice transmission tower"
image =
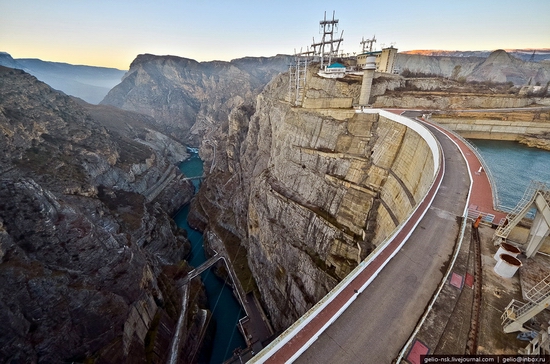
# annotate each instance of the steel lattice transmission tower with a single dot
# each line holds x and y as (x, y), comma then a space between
(367, 44)
(328, 47)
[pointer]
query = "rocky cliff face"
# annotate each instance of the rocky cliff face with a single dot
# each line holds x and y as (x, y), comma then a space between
(88, 253)
(306, 191)
(188, 98)
(297, 195)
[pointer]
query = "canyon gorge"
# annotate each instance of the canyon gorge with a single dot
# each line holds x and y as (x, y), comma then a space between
(296, 196)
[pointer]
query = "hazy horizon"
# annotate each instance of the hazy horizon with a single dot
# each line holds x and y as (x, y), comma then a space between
(112, 34)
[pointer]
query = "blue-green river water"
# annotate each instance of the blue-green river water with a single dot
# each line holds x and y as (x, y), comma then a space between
(226, 310)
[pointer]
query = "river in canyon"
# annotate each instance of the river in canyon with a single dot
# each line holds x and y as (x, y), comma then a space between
(225, 308)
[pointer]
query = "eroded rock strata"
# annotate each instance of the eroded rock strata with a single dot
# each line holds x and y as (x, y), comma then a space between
(188, 98)
(295, 196)
(89, 256)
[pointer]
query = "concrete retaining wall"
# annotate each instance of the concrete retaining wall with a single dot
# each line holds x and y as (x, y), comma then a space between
(429, 155)
(328, 103)
(494, 129)
(444, 101)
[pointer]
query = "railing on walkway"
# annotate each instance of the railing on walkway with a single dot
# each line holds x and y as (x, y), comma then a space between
(475, 150)
(524, 208)
(485, 217)
(517, 312)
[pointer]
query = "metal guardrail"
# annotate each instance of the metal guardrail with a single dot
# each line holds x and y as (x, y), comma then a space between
(485, 217)
(540, 291)
(475, 150)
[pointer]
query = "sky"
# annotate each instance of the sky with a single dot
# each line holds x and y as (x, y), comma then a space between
(111, 33)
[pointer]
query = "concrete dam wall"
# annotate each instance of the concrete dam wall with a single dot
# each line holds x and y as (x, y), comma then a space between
(411, 158)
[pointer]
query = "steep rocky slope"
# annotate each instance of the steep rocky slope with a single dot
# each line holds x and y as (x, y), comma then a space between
(188, 98)
(297, 196)
(88, 252)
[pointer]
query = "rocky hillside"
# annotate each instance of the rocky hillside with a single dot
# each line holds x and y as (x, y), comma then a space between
(88, 252)
(499, 66)
(287, 194)
(189, 98)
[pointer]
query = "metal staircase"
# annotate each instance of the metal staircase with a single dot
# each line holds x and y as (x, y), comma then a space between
(518, 212)
(517, 312)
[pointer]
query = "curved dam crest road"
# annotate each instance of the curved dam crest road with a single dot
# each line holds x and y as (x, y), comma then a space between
(379, 322)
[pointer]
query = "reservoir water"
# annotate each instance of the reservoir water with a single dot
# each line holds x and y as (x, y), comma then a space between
(225, 308)
(513, 166)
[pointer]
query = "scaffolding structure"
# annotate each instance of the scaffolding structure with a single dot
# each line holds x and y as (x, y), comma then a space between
(323, 51)
(298, 74)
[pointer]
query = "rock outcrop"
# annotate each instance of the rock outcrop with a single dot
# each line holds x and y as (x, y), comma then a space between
(89, 256)
(537, 141)
(527, 126)
(189, 98)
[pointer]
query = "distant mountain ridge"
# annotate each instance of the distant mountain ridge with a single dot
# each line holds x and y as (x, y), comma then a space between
(540, 54)
(499, 66)
(89, 83)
